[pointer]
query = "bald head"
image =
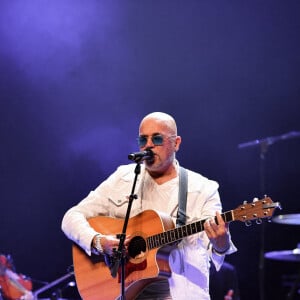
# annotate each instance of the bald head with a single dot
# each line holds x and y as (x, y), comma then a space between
(163, 118)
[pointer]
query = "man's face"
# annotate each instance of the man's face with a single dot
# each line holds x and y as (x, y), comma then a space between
(164, 154)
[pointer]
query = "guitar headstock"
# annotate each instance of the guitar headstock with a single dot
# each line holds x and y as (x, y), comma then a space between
(256, 210)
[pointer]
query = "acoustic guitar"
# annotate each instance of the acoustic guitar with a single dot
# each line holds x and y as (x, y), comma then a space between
(146, 260)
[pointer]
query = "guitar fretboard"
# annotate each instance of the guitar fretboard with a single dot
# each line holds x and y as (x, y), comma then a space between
(176, 234)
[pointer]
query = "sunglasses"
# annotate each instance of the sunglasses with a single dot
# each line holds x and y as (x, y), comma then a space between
(157, 140)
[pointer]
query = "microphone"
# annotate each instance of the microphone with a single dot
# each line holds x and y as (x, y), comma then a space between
(139, 156)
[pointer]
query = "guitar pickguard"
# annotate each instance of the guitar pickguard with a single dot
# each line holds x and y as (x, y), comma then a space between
(130, 268)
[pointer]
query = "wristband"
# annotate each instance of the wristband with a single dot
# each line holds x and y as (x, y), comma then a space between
(98, 245)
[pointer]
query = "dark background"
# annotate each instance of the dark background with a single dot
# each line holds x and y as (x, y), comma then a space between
(76, 78)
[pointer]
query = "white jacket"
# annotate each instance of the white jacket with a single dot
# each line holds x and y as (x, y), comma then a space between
(189, 262)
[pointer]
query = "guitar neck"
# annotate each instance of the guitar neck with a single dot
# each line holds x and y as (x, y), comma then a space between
(178, 233)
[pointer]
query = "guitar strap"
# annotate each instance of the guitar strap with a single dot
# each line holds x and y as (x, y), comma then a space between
(182, 196)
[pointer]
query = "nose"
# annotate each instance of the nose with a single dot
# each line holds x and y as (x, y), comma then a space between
(149, 143)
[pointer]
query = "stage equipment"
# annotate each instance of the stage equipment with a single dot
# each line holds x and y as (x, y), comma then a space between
(292, 256)
(289, 219)
(264, 145)
(51, 285)
(285, 255)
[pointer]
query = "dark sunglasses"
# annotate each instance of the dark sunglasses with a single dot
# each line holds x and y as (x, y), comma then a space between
(156, 139)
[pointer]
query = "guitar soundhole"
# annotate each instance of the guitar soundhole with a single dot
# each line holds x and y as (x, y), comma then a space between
(137, 247)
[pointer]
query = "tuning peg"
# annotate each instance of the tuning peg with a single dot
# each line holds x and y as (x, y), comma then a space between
(245, 202)
(248, 223)
(258, 221)
(255, 199)
(269, 219)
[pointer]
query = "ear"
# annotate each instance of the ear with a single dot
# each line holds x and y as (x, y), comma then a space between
(177, 143)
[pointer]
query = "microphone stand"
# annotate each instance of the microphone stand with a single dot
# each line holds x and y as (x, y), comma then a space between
(264, 145)
(119, 254)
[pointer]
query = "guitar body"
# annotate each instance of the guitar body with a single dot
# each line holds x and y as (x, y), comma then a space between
(93, 277)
